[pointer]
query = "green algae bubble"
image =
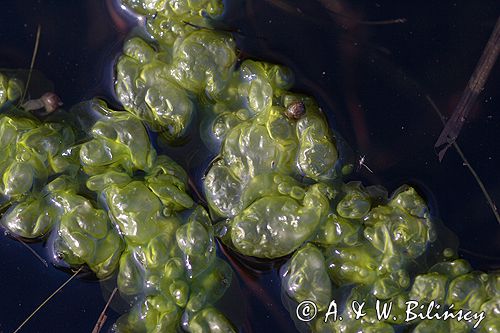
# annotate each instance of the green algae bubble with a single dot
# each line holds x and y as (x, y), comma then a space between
(428, 287)
(210, 320)
(3, 89)
(336, 230)
(300, 285)
(144, 88)
(31, 218)
(10, 89)
(119, 140)
(276, 224)
(167, 261)
(356, 202)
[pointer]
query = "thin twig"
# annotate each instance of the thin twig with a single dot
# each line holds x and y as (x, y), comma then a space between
(193, 188)
(33, 57)
(102, 317)
(382, 22)
(479, 255)
(283, 5)
(467, 164)
(201, 27)
(44, 262)
(363, 22)
(228, 30)
(476, 83)
(47, 300)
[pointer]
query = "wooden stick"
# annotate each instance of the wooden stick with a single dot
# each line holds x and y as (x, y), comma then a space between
(476, 83)
(20, 240)
(102, 317)
(47, 300)
(467, 164)
(43, 261)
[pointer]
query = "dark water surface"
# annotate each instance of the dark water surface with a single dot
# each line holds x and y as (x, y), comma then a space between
(370, 79)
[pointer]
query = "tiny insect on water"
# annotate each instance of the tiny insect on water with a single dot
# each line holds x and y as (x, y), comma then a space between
(361, 163)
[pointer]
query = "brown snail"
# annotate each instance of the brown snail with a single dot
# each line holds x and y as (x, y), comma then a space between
(295, 110)
(49, 101)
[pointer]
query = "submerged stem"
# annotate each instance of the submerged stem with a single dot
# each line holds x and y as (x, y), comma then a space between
(474, 87)
(43, 261)
(33, 57)
(467, 164)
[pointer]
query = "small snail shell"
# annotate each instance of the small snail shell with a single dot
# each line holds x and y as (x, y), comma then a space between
(51, 102)
(295, 110)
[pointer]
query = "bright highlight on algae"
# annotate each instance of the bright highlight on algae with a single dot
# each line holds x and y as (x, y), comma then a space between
(120, 207)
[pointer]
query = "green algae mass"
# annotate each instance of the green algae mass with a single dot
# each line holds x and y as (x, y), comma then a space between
(119, 141)
(10, 89)
(306, 277)
(85, 234)
(189, 72)
(266, 151)
(274, 189)
(372, 255)
(161, 90)
(119, 208)
(32, 152)
(276, 224)
(179, 274)
(168, 264)
(420, 291)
